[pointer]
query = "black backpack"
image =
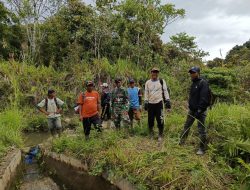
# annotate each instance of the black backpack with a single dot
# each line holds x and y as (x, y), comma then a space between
(211, 98)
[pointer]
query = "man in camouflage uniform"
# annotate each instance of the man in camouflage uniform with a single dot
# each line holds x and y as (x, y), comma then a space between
(119, 105)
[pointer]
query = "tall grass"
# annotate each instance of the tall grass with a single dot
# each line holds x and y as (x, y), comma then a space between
(229, 127)
(11, 125)
(147, 166)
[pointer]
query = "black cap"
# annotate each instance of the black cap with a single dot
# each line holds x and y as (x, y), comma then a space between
(131, 81)
(194, 70)
(51, 91)
(117, 80)
(90, 83)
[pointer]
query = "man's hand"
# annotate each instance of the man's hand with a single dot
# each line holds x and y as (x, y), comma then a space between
(168, 104)
(140, 108)
(58, 111)
(197, 114)
(81, 118)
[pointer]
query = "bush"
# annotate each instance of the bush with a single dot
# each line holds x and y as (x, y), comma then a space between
(222, 82)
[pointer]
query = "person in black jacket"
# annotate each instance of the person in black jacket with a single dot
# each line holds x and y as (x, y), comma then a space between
(105, 102)
(198, 103)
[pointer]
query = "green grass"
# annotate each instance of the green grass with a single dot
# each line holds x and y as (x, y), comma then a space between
(141, 161)
(11, 125)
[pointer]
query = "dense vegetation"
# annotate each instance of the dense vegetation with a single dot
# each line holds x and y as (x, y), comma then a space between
(62, 44)
(143, 163)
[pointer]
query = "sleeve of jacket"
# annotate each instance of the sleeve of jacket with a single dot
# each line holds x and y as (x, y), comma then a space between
(204, 96)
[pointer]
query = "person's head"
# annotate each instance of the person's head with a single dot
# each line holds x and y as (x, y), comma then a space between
(194, 72)
(105, 85)
(118, 82)
(51, 93)
(90, 86)
(132, 83)
(155, 73)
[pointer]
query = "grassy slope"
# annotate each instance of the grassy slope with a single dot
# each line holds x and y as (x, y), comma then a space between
(148, 166)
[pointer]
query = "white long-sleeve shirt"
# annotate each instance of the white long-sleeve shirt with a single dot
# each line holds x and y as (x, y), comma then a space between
(153, 91)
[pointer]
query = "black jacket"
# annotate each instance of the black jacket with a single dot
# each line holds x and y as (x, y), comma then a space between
(105, 98)
(199, 95)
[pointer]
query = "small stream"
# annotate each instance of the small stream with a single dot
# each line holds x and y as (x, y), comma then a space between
(33, 139)
(51, 174)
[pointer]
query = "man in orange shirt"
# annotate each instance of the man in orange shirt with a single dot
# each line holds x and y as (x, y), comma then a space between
(89, 109)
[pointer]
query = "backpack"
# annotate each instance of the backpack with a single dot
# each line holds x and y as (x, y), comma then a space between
(163, 95)
(211, 98)
(46, 104)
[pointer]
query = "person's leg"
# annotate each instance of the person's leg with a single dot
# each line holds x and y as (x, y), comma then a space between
(58, 125)
(51, 126)
(160, 118)
(108, 112)
(108, 116)
(117, 119)
(131, 116)
(202, 131)
(96, 122)
(151, 118)
(189, 122)
(103, 114)
(137, 114)
(86, 127)
(125, 119)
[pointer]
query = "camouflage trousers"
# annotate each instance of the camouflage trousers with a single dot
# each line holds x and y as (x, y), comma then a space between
(120, 116)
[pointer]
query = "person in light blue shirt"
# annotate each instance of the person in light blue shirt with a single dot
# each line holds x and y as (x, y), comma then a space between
(135, 102)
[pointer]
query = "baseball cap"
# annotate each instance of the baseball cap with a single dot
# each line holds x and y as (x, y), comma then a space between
(131, 81)
(105, 85)
(194, 70)
(155, 69)
(90, 83)
(117, 80)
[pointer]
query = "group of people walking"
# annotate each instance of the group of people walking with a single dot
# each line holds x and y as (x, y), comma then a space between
(123, 105)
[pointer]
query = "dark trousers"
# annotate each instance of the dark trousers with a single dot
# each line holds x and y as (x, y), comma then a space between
(106, 112)
(201, 127)
(156, 111)
(87, 122)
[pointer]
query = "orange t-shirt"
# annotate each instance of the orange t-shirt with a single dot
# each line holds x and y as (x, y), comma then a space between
(89, 102)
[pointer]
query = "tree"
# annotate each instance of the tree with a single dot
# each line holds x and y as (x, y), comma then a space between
(31, 14)
(238, 55)
(10, 34)
(187, 45)
(216, 62)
